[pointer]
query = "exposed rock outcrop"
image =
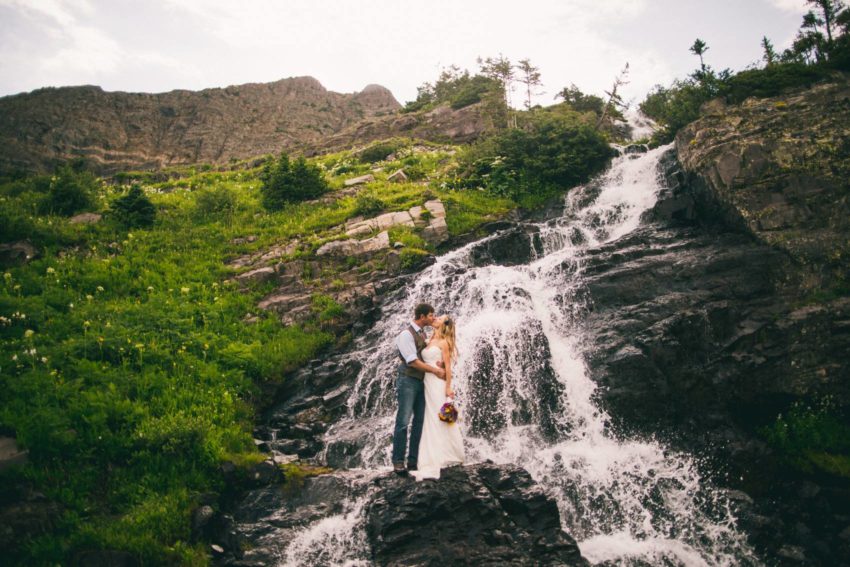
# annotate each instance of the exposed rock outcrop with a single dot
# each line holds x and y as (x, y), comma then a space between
(732, 303)
(482, 514)
(476, 515)
(441, 124)
(779, 168)
(116, 130)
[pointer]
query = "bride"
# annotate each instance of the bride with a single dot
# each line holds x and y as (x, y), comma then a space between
(442, 443)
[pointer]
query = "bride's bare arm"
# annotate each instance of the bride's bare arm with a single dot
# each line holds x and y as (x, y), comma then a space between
(447, 366)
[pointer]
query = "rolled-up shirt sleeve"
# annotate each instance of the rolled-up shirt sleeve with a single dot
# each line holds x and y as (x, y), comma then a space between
(406, 346)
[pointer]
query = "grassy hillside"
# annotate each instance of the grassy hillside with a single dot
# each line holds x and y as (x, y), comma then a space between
(127, 369)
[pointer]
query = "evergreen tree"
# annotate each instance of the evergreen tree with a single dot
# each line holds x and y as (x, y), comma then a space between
(134, 209)
(699, 48)
(769, 56)
(829, 10)
(71, 190)
(285, 181)
(579, 101)
(501, 70)
(530, 77)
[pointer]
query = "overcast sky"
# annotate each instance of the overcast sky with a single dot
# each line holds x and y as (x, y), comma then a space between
(160, 45)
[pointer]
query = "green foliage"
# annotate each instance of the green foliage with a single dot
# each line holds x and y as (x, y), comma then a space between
(70, 192)
(469, 208)
(326, 308)
(552, 153)
(368, 205)
(127, 369)
(407, 236)
(679, 105)
(134, 209)
(285, 181)
(454, 87)
(412, 258)
(217, 202)
(379, 152)
(771, 80)
(813, 438)
(581, 102)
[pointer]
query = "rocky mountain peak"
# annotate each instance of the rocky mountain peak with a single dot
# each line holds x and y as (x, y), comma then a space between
(118, 130)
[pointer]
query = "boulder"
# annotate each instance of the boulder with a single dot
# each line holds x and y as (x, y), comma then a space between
(258, 275)
(437, 231)
(85, 218)
(399, 176)
(482, 514)
(354, 247)
(15, 253)
(436, 208)
(363, 179)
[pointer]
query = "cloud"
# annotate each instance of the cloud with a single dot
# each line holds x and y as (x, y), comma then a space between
(401, 44)
(793, 6)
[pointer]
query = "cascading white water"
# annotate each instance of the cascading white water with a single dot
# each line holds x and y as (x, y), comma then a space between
(526, 397)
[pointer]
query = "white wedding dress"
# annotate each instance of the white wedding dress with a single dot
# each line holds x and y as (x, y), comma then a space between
(441, 444)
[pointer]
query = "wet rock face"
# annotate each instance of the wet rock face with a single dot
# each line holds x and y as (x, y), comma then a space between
(692, 320)
(476, 515)
(778, 167)
(702, 331)
(514, 247)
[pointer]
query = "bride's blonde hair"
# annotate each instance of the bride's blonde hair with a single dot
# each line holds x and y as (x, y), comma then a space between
(447, 332)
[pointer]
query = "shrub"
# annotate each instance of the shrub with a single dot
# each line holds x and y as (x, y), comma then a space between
(553, 153)
(412, 258)
(219, 201)
(285, 181)
(679, 105)
(326, 308)
(70, 192)
(813, 437)
(368, 205)
(134, 209)
(378, 152)
(771, 80)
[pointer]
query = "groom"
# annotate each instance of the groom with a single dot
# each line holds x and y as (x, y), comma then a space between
(410, 387)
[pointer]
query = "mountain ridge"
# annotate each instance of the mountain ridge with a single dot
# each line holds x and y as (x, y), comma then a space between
(115, 130)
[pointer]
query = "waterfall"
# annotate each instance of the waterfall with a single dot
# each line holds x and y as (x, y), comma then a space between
(526, 397)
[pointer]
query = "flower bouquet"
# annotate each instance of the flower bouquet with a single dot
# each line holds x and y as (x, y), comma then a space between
(448, 412)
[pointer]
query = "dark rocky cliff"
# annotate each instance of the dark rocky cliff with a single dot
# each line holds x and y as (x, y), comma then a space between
(732, 303)
(117, 130)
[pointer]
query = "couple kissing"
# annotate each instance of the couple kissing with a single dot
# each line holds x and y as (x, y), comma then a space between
(423, 389)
